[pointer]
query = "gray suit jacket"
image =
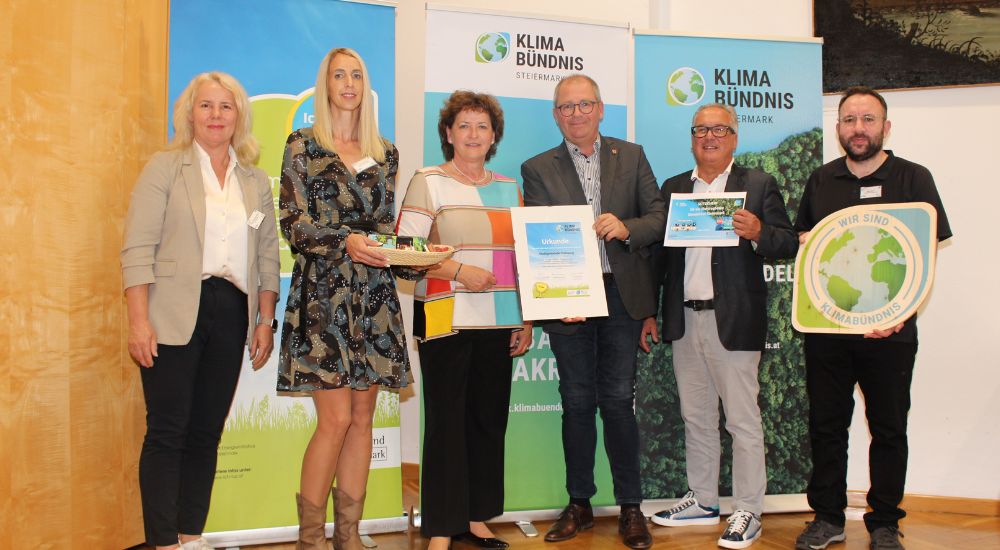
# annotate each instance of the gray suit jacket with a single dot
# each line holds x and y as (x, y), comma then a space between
(165, 235)
(629, 191)
(737, 272)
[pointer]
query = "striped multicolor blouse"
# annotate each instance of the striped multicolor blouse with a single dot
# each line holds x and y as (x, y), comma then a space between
(475, 219)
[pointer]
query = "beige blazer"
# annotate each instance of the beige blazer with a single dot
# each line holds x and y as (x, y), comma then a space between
(165, 236)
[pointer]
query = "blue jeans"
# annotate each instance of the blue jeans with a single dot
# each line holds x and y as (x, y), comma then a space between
(597, 371)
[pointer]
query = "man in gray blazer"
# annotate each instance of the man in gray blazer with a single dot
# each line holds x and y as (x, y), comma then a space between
(596, 358)
(714, 313)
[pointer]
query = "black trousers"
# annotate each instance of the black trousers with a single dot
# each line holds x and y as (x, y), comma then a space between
(465, 380)
(884, 371)
(188, 392)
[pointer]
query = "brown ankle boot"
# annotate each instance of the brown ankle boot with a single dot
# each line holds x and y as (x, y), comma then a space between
(312, 521)
(346, 515)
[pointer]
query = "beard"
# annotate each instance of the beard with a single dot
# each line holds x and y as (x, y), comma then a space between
(873, 148)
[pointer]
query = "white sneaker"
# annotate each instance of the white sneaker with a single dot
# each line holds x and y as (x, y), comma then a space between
(197, 544)
(744, 528)
(687, 511)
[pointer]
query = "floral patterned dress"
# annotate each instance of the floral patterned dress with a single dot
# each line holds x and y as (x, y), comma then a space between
(342, 324)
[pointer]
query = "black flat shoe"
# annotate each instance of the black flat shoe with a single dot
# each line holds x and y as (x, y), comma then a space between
(480, 542)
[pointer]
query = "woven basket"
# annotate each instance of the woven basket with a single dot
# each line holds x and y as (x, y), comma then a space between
(412, 257)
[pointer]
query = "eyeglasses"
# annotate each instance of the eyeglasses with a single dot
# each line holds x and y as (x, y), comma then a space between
(717, 131)
(567, 109)
(866, 120)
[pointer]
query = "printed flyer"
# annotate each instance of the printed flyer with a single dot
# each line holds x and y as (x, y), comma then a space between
(703, 219)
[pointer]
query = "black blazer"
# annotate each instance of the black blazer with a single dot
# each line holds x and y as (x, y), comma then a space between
(629, 191)
(737, 272)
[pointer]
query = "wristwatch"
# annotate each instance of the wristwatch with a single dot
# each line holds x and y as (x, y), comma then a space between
(272, 322)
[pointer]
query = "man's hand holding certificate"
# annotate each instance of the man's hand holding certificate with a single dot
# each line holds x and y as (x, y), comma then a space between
(608, 226)
(746, 225)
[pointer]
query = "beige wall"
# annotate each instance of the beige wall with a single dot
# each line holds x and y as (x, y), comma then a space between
(82, 91)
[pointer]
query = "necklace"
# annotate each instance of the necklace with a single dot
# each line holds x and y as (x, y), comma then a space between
(486, 175)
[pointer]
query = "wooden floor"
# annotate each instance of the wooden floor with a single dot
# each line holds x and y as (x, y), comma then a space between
(921, 530)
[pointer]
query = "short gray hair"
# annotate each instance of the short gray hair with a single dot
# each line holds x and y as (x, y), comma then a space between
(734, 120)
(576, 76)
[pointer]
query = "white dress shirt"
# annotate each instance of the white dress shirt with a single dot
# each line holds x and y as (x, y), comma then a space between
(698, 260)
(588, 169)
(225, 253)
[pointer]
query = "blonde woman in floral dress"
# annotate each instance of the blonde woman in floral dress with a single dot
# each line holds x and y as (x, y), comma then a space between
(343, 333)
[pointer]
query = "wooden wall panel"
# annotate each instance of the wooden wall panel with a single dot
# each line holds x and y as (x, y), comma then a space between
(9, 259)
(83, 99)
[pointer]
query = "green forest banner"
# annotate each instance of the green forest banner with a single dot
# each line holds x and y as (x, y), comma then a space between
(775, 87)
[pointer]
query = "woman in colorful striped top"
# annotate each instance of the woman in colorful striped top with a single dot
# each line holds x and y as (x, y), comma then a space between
(468, 320)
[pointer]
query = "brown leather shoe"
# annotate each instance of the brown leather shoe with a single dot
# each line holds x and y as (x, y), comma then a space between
(632, 527)
(573, 519)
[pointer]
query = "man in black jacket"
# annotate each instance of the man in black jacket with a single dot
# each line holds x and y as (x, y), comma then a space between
(714, 313)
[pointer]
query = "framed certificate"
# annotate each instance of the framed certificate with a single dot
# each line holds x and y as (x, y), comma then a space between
(558, 263)
(702, 219)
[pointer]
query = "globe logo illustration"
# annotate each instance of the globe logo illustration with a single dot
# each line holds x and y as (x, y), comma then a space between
(862, 268)
(685, 86)
(492, 47)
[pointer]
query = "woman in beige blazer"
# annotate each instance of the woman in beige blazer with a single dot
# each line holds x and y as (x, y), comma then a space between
(200, 271)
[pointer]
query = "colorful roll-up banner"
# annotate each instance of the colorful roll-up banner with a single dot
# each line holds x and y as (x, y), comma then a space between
(519, 60)
(775, 87)
(274, 49)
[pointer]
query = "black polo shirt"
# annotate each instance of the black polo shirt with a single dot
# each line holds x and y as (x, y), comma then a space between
(833, 187)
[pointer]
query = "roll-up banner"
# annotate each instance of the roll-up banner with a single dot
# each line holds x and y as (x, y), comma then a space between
(274, 49)
(519, 60)
(775, 87)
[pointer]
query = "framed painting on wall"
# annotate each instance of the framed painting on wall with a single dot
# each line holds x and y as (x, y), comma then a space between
(889, 44)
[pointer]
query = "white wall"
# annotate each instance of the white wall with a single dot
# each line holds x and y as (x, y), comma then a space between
(956, 383)
(954, 441)
(760, 18)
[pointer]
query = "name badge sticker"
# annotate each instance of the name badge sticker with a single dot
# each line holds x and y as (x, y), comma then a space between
(363, 164)
(255, 219)
(871, 192)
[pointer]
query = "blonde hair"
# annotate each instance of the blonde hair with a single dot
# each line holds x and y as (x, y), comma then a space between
(243, 141)
(371, 141)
